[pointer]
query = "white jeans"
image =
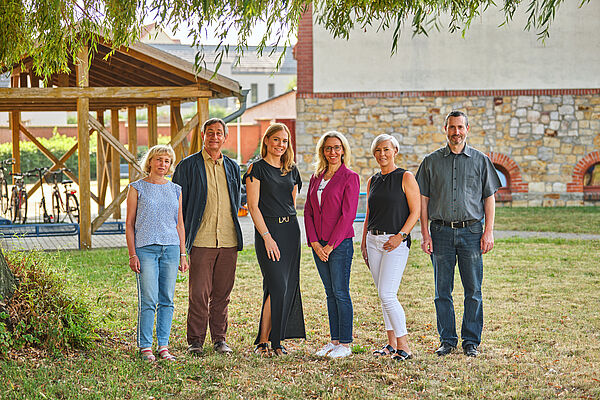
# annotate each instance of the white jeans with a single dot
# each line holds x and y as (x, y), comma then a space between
(387, 269)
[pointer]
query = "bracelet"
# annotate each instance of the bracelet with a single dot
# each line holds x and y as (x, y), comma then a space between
(183, 255)
(265, 233)
(130, 257)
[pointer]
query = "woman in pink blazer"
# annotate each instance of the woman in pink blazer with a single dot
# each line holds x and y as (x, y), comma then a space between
(329, 212)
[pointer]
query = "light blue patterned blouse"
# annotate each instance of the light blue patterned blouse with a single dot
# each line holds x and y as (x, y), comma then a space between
(157, 210)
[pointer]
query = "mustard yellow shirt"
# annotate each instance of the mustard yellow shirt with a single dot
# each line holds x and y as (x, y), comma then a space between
(217, 228)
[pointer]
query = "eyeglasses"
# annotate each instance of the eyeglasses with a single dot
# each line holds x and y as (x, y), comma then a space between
(336, 148)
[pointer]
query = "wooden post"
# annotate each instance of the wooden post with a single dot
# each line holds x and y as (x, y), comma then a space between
(132, 137)
(83, 138)
(152, 125)
(196, 145)
(115, 162)
(175, 126)
(100, 165)
(15, 122)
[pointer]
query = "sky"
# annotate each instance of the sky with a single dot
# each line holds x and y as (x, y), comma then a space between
(259, 31)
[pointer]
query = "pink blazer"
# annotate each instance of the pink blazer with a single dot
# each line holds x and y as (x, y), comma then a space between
(332, 220)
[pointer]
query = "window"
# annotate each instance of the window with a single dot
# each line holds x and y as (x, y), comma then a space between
(591, 183)
(271, 90)
(254, 93)
(503, 194)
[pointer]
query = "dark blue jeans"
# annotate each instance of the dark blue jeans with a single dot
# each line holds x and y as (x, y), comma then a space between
(335, 274)
(449, 245)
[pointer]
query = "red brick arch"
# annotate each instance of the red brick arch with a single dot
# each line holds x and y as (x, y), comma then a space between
(514, 173)
(576, 184)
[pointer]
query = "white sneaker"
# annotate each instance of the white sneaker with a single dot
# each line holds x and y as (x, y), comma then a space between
(340, 351)
(326, 349)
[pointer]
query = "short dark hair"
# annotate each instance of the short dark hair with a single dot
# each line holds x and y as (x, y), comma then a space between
(213, 121)
(456, 113)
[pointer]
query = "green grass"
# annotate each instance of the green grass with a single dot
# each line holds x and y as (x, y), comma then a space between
(549, 219)
(540, 339)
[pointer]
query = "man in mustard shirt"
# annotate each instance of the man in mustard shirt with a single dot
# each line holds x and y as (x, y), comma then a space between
(210, 183)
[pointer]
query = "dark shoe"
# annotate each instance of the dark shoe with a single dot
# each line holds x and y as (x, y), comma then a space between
(444, 349)
(195, 349)
(401, 355)
(222, 348)
(470, 350)
(386, 351)
(262, 349)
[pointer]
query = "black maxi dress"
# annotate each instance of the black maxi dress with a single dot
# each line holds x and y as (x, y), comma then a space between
(281, 279)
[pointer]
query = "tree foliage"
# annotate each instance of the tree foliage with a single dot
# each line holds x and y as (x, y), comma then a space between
(52, 31)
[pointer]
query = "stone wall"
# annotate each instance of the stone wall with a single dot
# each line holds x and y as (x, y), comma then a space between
(538, 138)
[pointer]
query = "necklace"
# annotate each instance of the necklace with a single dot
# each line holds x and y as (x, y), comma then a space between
(384, 176)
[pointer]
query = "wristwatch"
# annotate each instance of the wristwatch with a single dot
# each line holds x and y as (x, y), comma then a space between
(403, 234)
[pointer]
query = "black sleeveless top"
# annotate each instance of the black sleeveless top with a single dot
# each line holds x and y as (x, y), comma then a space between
(388, 207)
(275, 197)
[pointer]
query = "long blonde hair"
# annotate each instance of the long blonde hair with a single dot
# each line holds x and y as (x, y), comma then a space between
(287, 158)
(320, 163)
(154, 151)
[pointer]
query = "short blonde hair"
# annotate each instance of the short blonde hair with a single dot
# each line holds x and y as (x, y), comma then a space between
(287, 158)
(320, 160)
(158, 150)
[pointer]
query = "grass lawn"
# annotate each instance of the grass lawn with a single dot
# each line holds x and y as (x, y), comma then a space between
(540, 339)
(549, 219)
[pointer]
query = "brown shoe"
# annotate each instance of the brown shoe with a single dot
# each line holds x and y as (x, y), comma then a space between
(195, 349)
(222, 348)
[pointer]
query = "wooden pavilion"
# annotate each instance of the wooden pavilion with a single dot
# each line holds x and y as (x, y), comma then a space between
(132, 77)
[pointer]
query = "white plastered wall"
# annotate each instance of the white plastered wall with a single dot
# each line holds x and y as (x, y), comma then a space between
(489, 57)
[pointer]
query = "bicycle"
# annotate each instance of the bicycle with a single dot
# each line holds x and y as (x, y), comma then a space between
(4, 172)
(18, 200)
(47, 218)
(70, 206)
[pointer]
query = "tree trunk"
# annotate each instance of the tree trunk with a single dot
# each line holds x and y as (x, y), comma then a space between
(8, 282)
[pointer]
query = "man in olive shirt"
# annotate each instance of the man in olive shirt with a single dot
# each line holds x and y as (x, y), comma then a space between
(457, 186)
(210, 185)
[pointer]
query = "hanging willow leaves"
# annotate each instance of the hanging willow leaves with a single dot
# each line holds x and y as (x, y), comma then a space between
(52, 31)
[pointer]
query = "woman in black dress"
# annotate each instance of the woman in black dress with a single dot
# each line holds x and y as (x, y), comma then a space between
(271, 185)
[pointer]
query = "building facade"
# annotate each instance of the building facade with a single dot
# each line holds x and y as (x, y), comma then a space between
(533, 107)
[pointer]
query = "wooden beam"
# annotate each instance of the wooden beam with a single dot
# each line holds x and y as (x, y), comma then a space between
(135, 92)
(115, 161)
(83, 138)
(132, 137)
(62, 80)
(112, 207)
(191, 124)
(15, 123)
(152, 125)
(23, 79)
(106, 135)
(100, 165)
(203, 116)
(176, 125)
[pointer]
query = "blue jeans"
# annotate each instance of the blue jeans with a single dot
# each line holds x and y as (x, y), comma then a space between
(449, 245)
(156, 287)
(335, 274)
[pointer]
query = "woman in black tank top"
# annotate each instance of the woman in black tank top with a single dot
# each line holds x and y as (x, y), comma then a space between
(393, 208)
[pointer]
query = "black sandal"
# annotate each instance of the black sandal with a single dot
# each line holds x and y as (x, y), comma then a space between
(262, 349)
(401, 355)
(383, 352)
(281, 348)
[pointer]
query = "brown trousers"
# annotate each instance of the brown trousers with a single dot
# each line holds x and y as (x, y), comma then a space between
(212, 273)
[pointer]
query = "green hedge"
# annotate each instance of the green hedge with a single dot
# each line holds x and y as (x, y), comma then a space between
(32, 157)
